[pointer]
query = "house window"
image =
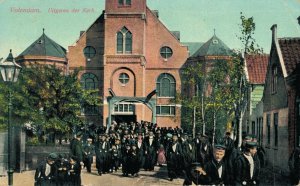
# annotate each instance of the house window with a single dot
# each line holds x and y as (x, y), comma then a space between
(276, 129)
(125, 2)
(124, 78)
(124, 108)
(165, 110)
(165, 85)
(166, 52)
(89, 52)
(274, 79)
(89, 81)
(269, 128)
(124, 41)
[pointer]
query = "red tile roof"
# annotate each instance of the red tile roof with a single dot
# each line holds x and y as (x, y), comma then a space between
(290, 49)
(257, 68)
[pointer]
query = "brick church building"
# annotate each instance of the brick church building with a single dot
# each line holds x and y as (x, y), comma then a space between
(134, 61)
(127, 53)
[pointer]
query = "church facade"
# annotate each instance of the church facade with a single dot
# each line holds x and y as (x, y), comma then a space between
(134, 61)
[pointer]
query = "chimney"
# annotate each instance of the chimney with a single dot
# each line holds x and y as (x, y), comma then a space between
(298, 20)
(274, 32)
(176, 34)
(81, 32)
(155, 12)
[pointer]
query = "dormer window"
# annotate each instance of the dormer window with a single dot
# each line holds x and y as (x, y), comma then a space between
(125, 2)
(124, 41)
(215, 41)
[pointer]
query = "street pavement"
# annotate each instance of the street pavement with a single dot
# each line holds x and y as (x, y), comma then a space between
(146, 178)
(157, 177)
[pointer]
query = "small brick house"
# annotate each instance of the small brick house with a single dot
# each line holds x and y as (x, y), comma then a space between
(127, 53)
(280, 101)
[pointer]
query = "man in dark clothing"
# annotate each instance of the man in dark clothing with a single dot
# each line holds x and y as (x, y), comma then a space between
(133, 160)
(46, 172)
(174, 158)
(125, 159)
(150, 152)
(140, 144)
(188, 156)
(216, 170)
(205, 150)
(76, 148)
(247, 166)
(88, 152)
(102, 150)
(62, 170)
(116, 155)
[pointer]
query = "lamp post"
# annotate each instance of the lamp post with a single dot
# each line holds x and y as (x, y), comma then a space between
(10, 71)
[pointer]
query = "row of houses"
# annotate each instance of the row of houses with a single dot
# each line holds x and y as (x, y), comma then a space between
(274, 99)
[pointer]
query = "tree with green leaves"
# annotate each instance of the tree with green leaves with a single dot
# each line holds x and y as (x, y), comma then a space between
(48, 99)
(246, 36)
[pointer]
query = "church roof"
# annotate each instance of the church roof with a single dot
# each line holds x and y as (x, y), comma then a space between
(213, 47)
(44, 46)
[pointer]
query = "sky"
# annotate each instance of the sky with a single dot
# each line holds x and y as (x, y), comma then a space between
(195, 19)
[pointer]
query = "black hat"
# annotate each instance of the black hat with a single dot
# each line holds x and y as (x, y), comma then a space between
(52, 156)
(220, 147)
(250, 145)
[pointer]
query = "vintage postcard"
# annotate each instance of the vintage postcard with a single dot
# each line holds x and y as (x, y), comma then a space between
(149, 92)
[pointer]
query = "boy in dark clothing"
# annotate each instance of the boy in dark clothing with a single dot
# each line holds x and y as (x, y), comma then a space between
(74, 171)
(46, 172)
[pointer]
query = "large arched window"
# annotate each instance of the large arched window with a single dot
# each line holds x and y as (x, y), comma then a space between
(89, 81)
(166, 85)
(124, 41)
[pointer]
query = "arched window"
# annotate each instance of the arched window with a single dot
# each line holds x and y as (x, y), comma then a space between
(124, 41)
(166, 85)
(89, 81)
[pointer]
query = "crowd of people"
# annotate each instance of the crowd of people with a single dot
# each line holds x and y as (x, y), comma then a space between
(135, 146)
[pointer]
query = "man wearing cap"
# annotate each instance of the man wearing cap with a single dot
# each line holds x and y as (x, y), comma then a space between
(88, 151)
(247, 167)
(76, 148)
(216, 169)
(46, 172)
